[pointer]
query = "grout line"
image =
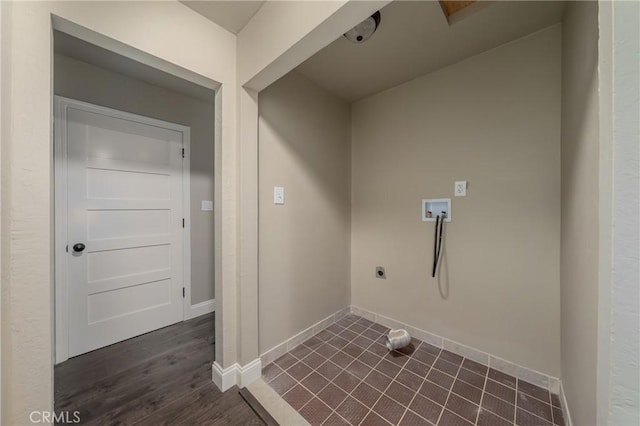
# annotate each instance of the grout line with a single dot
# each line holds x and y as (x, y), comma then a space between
(444, 406)
(484, 385)
(418, 391)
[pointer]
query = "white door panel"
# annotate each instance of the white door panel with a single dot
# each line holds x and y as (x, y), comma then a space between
(124, 202)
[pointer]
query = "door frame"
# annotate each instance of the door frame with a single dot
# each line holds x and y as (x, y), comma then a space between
(61, 273)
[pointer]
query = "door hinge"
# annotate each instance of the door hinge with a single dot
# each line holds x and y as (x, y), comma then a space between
(183, 222)
(182, 152)
(183, 293)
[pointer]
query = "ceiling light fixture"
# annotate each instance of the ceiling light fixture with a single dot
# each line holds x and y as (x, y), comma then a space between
(365, 29)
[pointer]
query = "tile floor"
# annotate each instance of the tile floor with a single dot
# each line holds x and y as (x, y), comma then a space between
(344, 375)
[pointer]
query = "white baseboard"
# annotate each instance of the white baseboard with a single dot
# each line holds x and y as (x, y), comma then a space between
(224, 378)
(201, 308)
(277, 351)
(508, 367)
(236, 375)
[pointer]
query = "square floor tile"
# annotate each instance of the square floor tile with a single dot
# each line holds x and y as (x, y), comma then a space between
(326, 350)
(286, 361)
(463, 408)
(282, 383)
(341, 359)
(440, 378)
(270, 372)
(388, 368)
(450, 419)
(451, 357)
(353, 350)
(487, 418)
(377, 380)
(434, 392)
(471, 378)
(297, 396)
(476, 367)
(502, 378)
(446, 367)
(369, 359)
(412, 419)
(299, 371)
(300, 351)
(498, 406)
(352, 410)
(426, 408)
(336, 420)
(314, 360)
(329, 370)
(399, 393)
(358, 369)
(424, 357)
(332, 395)
(315, 382)
(534, 406)
(346, 381)
(525, 418)
(409, 379)
(373, 419)
(389, 409)
(366, 394)
(417, 367)
(467, 391)
(503, 392)
(363, 342)
(534, 391)
(315, 412)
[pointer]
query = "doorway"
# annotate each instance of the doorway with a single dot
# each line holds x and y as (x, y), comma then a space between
(134, 223)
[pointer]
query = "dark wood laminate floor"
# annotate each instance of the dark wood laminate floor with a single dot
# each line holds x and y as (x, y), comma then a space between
(162, 377)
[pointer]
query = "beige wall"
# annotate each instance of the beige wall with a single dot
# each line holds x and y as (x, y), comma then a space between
(579, 238)
(304, 146)
(493, 120)
(79, 80)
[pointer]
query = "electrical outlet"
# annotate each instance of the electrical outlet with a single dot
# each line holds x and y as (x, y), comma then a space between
(380, 273)
(460, 189)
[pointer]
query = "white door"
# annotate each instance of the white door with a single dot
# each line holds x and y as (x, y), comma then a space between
(124, 227)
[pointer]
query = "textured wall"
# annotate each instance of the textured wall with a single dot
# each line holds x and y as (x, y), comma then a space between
(493, 120)
(78, 80)
(305, 147)
(624, 402)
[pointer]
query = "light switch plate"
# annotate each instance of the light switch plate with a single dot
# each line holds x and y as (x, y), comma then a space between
(206, 206)
(278, 195)
(460, 189)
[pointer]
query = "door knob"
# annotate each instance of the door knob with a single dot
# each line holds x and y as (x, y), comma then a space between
(78, 247)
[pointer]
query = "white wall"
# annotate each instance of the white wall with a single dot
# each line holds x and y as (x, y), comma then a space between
(89, 83)
(305, 147)
(580, 237)
(619, 307)
(493, 120)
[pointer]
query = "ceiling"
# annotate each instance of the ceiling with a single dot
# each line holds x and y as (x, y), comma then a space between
(415, 38)
(73, 47)
(231, 15)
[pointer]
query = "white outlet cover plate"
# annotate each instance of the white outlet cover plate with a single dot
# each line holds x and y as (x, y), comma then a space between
(460, 189)
(206, 206)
